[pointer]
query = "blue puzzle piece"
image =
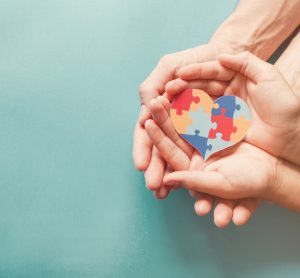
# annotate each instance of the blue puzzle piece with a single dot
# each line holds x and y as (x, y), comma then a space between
(201, 122)
(228, 103)
(244, 111)
(217, 144)
(198, 142)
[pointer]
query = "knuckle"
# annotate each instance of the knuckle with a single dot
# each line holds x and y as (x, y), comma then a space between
(143, 88)
(166, 59)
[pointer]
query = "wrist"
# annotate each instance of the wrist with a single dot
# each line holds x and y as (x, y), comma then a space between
(291, 152)
(274, 190)
(285, 188)
(224, 44)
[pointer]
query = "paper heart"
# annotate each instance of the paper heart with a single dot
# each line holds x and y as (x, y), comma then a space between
(209, 126)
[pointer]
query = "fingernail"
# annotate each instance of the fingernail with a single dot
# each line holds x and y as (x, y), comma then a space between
(172, 183)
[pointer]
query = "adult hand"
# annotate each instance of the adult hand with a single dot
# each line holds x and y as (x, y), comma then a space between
(145, 157)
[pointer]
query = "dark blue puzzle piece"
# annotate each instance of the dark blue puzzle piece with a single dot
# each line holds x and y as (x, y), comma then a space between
(228, 103)
(198, 142)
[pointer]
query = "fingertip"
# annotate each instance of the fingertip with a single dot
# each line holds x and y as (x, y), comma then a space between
(223, 213)
(140, 165)
(192, 193)
(202, 207)
(149, 124)
(176, 86)
(142, 147)
(161, 193)
(222, 220)
(241, 216)
(152, 182)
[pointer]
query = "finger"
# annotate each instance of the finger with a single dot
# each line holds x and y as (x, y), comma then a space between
(211, 182)
(223, 212)
(164, 100)
(212, 87)
(197, 162)
(173, 155)
(144, 115)
(162, 118)
(155, 83)
(243, 210)
(155, 171)
(193, 193)
(209, 70)
(163, 191)
(247, 64)
(142, 148)
(204, 204)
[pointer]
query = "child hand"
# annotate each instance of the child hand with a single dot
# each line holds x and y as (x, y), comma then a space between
(274, 106)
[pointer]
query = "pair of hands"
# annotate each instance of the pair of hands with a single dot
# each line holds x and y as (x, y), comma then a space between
(263, 87)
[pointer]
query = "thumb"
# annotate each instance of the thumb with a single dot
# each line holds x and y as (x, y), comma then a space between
(247, 64)
(210, 182)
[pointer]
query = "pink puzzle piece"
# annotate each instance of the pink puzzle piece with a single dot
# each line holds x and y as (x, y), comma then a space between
(184, 100)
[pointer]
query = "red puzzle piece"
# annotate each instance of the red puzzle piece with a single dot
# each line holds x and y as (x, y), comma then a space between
(224, 126)
(183, 101)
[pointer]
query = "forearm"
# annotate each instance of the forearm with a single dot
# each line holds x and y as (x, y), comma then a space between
(285, 189)
(258, 26)
(289, 64)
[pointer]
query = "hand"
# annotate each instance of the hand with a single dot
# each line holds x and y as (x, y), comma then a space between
(145, 157)
(181, 156)
(243, 171)
(275, 107)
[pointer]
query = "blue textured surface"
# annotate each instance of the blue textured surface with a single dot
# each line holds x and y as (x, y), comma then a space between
(71, 203)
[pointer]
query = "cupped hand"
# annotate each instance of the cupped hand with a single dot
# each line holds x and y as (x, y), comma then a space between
(181, 156)
(243, 171)
(146, 158)
(275, 107)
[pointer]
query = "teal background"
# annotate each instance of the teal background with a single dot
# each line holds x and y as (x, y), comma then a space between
(71, 202)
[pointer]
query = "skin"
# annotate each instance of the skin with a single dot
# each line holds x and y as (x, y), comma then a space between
(261, 85)
(261, 34)
(159, 109)
(243, 172)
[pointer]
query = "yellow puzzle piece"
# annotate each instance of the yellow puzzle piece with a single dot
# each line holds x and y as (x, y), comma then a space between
(205, 102)
(242, 125)
(180, 122)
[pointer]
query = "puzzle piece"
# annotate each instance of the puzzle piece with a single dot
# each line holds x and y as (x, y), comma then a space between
(201, 122)
(228, 103)
(205, 102)
(217, 144)
(198, 142)
(183, 101)
(180, 122)
(224, 126)
(244, 111)
(242, 124)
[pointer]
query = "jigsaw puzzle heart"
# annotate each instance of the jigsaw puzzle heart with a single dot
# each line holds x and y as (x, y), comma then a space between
(210, 126)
